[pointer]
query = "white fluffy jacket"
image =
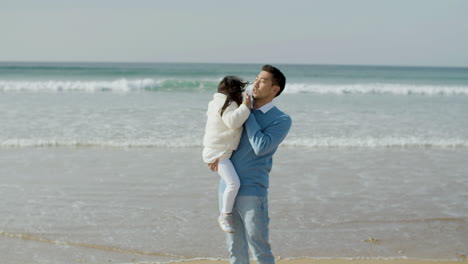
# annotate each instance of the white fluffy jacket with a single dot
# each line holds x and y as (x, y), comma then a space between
(224, 132)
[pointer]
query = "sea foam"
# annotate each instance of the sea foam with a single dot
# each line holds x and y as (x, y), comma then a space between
(150, 84)
(376, 88)
(190, 142)
(120, 85)
(371, 142)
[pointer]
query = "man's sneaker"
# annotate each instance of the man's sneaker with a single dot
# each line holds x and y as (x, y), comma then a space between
(225, 222)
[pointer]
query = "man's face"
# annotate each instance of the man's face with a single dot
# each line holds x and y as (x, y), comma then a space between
(263, 87)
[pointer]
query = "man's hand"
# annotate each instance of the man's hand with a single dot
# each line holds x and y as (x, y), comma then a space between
(214, 166)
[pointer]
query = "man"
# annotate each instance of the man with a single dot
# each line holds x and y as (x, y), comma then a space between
(265, 128)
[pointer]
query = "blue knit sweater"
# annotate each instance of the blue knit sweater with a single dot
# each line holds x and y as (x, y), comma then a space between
(261, 136)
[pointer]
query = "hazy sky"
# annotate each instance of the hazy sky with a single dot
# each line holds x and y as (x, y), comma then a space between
(377, 32)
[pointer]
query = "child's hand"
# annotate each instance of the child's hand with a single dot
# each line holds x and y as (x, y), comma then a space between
(214, 166)
(247, 101)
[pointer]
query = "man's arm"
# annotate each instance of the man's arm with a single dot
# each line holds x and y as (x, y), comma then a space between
(267, 140)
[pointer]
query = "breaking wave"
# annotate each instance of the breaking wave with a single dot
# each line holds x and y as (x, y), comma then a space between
(376, 88)
(149, 84)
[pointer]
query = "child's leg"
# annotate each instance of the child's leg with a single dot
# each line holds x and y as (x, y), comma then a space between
(228, 173)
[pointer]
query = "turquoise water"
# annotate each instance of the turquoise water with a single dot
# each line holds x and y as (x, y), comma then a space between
(148, 105)
(188, 76)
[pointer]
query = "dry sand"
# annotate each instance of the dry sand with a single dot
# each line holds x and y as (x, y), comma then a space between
(463, 260)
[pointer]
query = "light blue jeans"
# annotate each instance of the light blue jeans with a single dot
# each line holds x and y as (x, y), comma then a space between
(251, 221)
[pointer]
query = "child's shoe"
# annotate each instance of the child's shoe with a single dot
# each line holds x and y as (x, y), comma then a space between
(225, 222)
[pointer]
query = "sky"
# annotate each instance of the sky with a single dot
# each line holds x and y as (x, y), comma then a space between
(358, 32)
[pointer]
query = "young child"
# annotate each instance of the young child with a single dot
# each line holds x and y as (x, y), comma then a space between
(226, 115)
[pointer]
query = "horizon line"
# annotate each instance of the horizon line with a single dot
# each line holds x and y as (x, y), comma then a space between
(233, 63)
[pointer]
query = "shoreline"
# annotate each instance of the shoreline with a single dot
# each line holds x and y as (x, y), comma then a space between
(463, 259)
(102, 205)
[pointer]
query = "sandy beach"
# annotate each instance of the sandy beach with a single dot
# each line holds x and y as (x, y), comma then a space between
(108, 205)
(339, 261)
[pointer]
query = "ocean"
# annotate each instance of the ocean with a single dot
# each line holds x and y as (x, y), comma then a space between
(101, 162)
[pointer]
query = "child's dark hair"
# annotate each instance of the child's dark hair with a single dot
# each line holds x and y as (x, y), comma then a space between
(232, 87)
